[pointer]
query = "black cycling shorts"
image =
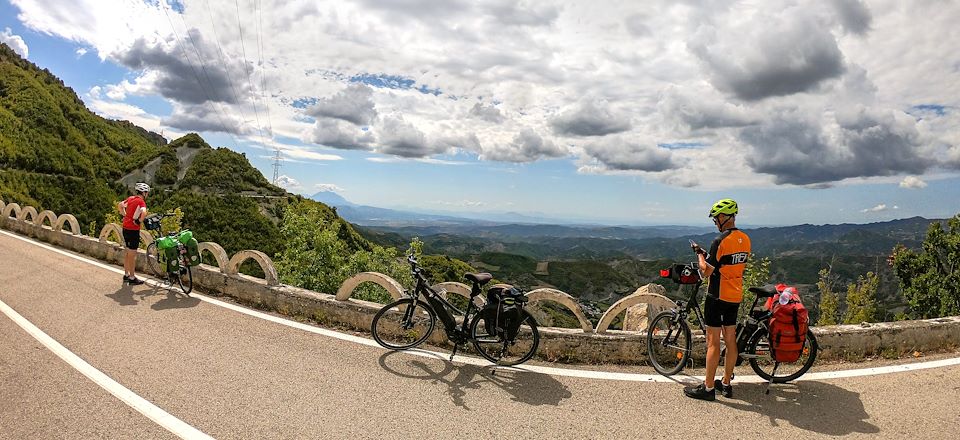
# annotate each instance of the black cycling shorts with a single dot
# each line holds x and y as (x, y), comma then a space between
(718, 313)
(131, 237)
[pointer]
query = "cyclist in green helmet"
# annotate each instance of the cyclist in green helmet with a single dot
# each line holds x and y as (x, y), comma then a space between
(723, 266)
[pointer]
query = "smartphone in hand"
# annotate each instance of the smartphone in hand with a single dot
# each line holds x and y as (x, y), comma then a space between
(696, 247)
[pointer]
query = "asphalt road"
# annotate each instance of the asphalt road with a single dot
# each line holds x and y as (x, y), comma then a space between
(230, 375)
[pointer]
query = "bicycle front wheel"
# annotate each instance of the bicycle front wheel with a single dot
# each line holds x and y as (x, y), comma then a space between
(762, 363)
(494, 344)
(403, 324)
(668, 343)
(184, 275)
(156, 262)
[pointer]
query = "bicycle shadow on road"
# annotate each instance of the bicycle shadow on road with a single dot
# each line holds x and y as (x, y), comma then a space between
(523, 386)
(173, 299)
(814, 406)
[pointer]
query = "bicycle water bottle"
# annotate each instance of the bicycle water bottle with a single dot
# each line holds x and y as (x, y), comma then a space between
(787, 295)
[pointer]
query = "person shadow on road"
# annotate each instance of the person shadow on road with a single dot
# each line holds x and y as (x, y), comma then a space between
(810, 405)
(523, 386)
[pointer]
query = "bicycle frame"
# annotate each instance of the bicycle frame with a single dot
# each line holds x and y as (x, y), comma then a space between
(435, 299)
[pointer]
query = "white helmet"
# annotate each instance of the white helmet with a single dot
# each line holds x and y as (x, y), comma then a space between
(142, 187)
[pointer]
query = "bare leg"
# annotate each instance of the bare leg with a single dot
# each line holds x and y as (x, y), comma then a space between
(130, 263)
(713, 355)
(730, 339)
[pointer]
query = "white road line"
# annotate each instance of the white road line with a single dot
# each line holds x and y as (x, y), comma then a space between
(554, 371)
(153, 412)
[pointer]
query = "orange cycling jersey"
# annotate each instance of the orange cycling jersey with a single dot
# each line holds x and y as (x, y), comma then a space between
(728, 256)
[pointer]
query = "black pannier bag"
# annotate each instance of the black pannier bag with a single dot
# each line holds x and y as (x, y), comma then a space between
(152, 222)
(682, 273)
(504, 310)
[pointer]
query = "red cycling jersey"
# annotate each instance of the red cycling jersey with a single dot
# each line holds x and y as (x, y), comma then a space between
(132, 203)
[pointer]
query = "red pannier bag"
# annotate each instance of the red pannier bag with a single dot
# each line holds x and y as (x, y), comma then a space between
(788, 325)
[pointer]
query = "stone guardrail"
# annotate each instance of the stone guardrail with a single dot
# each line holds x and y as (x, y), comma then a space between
(584, 345)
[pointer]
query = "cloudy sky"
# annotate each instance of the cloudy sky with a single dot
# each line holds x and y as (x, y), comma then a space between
(615, 111)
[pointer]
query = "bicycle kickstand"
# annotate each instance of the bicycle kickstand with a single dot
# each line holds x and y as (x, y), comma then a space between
(454, 352)
(772, 374)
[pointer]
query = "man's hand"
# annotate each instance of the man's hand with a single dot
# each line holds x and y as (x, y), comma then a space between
(697, 249)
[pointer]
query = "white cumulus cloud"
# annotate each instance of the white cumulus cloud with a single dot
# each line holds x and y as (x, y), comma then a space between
(880, 208)
(912, 182)
(288, 182)
(328, 187)
(15, 42)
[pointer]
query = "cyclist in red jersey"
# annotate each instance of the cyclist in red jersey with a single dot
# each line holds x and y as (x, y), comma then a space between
(133, 210)
(723, 265)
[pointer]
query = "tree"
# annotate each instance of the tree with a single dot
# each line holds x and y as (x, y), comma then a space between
(829, 300)
(755, 274)
(862, 300)
(314, 257)
(930, 279)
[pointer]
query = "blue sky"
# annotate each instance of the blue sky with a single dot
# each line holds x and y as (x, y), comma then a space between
(627, 116)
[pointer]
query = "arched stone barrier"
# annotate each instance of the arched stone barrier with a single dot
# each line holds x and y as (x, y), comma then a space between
(346, 289)
(145, 238)
(270, 272)
(11, 208)
(108, 229)
(70, 220)
(650, 294)
(28, 214)
(564, 299)
(454, 287)
(46, 215)
(219, 254)
(2, 205)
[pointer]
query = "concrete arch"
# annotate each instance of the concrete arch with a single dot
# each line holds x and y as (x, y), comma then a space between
(564, 299)
(145, 238)
(108, 229)
(11, 208)
(649, 294)
(70, 220)
(2, 205)
(46, 215)
(219, 254)
(28, 211)
(346, 289)
(454, 287)
(270, 272)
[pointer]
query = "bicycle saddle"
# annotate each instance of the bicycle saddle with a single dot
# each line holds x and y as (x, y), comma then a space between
(764, 291)
(479, 278)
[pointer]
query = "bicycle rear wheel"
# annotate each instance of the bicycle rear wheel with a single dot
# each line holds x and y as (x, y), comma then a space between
(762, 364)
(668, 343)
(403, 324)
(156, 261)
(184, 275)
(497, 347)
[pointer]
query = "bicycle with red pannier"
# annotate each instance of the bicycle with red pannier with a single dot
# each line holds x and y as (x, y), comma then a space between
(773, 337)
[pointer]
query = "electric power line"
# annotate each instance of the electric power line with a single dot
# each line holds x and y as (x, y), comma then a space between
(223, 63)
(186, 58)
(246, 70)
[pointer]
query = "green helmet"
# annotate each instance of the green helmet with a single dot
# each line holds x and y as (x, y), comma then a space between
(724, 206)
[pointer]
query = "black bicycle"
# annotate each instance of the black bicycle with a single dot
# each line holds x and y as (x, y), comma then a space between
(492, 328)
(168, 256)
(669, 339)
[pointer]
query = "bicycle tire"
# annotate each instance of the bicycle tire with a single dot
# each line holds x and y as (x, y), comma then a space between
(674, 328)
(759, 339)
(155, 261)
(499, 346)
(382, 332)
(185, 275)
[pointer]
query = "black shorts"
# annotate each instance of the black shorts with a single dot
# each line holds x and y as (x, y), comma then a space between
(717, 313)
(131, 237)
